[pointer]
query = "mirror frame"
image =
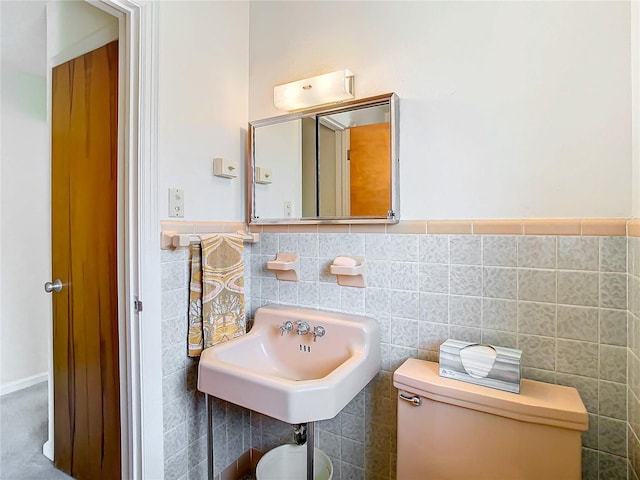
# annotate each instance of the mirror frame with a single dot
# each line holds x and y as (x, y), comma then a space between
(394, 160)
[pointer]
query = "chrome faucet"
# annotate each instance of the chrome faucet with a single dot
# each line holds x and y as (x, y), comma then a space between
(303, 328)
(318, 331)
(286, 327)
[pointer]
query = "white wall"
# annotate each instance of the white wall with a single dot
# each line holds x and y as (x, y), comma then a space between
(635, 76)
(202, 111)
(75, 28)
(24, 199)
(508, 109)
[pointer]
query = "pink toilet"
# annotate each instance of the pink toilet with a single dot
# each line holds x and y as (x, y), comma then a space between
(452, 430)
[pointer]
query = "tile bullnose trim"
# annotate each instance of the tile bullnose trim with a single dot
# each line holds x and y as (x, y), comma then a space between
(459, 227)
(408, 226)
(537, 226)
(552, 226)
(498, 227)
(198, 226)
(178, 227)
(610, 227)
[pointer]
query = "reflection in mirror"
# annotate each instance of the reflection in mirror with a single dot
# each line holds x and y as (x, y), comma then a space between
(336, 165)
(280, 152)
(353, 162)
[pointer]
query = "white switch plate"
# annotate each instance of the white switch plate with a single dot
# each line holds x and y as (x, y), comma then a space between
(287, 208)
(176, 202)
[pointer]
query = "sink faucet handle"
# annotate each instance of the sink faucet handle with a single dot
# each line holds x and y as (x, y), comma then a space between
(303, 328)
(286, 327)
(318, 331)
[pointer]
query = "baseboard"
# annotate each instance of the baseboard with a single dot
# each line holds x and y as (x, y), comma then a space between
(47, 449)
(254, 456)
(242, 466)
(23, 383)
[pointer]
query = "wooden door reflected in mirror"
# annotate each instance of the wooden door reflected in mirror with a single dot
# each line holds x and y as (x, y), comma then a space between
(370, 172)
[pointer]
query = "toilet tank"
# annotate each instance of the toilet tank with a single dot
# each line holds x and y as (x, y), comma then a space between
(452, 430)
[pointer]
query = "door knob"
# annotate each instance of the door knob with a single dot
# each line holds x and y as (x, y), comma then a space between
(56, 286)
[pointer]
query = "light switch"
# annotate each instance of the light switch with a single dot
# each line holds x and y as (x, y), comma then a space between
(176, 202)
(263, 175)
(225, 168)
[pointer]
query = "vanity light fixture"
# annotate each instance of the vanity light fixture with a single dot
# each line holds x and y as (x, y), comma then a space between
(319, 90)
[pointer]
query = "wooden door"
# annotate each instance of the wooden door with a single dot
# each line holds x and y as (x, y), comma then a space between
(84, 256)
(370, 170)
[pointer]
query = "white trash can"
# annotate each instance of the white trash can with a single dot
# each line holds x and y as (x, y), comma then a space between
(289, 462)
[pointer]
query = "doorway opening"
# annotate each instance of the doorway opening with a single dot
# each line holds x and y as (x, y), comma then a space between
(136, 223)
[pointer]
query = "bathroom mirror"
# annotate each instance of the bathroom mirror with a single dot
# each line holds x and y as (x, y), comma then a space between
(336, 164)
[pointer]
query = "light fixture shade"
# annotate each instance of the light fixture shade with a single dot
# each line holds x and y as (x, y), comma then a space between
(319, 90)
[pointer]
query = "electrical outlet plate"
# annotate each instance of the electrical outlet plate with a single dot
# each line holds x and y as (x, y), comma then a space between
(176, 202)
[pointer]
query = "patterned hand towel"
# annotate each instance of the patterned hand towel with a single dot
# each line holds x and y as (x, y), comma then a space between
(216, 299)
(194, 340)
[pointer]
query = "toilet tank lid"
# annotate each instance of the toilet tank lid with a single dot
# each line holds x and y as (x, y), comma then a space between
(537, 402)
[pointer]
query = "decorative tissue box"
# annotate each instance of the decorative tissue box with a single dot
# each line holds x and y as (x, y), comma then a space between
(487, 365)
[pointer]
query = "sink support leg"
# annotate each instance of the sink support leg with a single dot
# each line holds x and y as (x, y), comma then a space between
(209, 404)
(310, 449)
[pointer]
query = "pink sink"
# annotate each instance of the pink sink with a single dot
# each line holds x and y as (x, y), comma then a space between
(291, 377)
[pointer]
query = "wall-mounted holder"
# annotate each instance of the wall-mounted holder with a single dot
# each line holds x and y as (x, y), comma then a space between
(286, 266)
(225, 168)
(170, 239)
(351, 271)
(263, 175)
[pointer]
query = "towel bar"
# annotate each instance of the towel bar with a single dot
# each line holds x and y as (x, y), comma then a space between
(170, 239)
